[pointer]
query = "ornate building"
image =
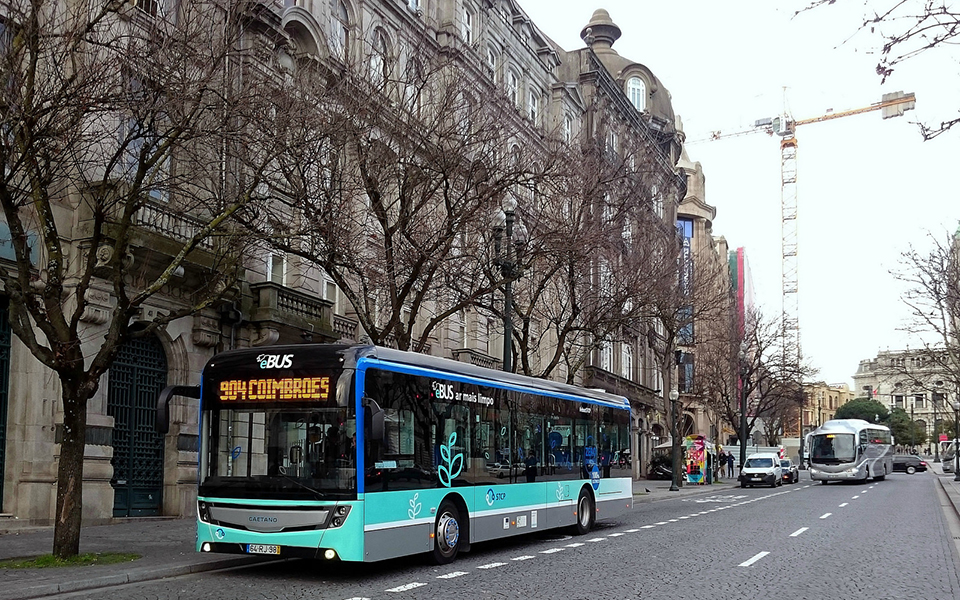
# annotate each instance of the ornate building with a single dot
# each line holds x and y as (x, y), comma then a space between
(587, 94)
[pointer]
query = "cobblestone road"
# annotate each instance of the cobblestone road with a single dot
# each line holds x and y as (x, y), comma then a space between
(877, 541)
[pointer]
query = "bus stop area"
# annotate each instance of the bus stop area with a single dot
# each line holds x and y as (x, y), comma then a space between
(166, 546)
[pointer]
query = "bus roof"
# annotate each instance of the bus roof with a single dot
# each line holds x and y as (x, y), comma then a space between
(389, 356)
(847, 426)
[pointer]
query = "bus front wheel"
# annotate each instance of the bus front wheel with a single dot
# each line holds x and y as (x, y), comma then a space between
(446, 541)
(585, 513)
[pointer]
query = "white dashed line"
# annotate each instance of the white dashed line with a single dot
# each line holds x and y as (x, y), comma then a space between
(631, 531)
(615, 535)
(492, 565)
(648, 527)
(551, 551)
(842, 505)
(749, 562)
(523, 558)
(673, 520)
(405, 588)
(574, 545)
(595, 540)
(687, 517)
(452, 575)
(826, 515)
(358, 598)
(662, 523)
(799, 531)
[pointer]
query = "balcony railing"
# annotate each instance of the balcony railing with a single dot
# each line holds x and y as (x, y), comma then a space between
(163, 219)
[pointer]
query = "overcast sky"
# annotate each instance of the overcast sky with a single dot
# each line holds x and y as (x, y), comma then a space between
(867, 188)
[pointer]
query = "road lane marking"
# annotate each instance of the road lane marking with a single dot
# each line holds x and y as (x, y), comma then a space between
(452, 575)
(574, 545)
(799, 531)
(523, 557)
(842, 505)
(551, 551)
(749, 562)
(687, 517)
(358, 598)
(826, 515)
(673, 520)
(648, 527)
(492, 565)
(662, 523)
(595, 540)
(855, 497)
(407, 587)
(615, 535)
(631, 531)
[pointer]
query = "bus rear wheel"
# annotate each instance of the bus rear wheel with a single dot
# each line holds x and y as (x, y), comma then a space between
(446, 541)
(585, 513)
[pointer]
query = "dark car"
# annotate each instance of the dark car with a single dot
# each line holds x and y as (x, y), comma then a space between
(908, 464)
(790, 472)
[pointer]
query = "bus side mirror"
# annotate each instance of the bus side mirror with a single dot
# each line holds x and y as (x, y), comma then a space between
(162, 422)
(373, 417)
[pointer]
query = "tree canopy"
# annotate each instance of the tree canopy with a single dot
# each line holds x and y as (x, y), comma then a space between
(863, 408)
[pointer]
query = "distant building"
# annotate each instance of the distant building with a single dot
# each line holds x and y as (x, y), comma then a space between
(821, 401)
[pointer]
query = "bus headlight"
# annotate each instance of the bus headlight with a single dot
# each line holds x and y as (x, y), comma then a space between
(329, 554)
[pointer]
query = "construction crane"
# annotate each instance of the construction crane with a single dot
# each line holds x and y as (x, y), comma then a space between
(784, 126)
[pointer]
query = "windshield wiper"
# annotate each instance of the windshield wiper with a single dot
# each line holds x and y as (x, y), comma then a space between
(283, 473)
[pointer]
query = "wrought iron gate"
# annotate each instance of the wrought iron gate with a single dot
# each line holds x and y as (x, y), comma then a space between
(4, 386)
(137, 376)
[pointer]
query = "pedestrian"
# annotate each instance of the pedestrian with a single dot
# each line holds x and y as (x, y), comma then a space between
(729, 463)
(530, 465)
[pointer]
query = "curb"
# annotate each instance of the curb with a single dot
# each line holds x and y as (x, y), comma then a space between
(951, 495)
(134, 576)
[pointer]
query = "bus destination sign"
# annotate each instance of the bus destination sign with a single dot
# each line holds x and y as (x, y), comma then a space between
(285, 389)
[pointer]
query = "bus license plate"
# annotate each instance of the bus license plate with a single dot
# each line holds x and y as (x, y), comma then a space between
(262, 549)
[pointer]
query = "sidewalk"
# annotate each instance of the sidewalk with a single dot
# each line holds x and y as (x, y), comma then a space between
(166, 547)
(950, 487)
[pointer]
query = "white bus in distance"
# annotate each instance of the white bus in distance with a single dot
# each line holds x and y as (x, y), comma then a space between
(850, 450)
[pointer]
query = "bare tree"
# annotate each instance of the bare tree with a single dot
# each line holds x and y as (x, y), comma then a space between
(113, 126)
(908, 30)
(391, 186)
(933, 299)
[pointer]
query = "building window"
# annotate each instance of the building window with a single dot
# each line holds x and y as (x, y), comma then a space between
(567, 128)
(613, 143)
(151, 7)
(413, 4)
(626, 361)
(656, 199)
(637, 93)
(606, 356)
(378, 58)
(918, 401)
(338, 29)
(513, 87)
(533, 106)
(468, 21)
(277, 268)
(898, 401)
(492, 61)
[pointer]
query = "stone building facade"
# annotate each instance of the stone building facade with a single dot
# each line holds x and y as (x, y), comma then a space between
(131, 471)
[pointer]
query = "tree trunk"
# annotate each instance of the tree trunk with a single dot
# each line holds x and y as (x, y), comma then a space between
(66, 532)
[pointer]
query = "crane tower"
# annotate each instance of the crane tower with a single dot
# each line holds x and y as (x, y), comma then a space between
(784, 126)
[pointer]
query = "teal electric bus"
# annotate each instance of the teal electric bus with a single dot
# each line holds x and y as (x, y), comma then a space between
(364, 453)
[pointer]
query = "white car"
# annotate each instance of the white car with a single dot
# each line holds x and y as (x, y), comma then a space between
(761, 469)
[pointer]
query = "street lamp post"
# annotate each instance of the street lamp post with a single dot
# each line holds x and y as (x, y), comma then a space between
(956, 431)
(913, 427)
(937, 396)
(675, 445)
(508, 269)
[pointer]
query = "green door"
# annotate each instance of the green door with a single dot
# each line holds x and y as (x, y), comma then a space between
(4, 385)
(137, 376)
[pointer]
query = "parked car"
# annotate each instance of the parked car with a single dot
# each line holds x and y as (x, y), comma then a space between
(908, 463)
(501, 470)
(761, 469)
(790, 472)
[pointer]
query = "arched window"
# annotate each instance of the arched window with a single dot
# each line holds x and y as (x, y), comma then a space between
(378, 58)
(637, 93)
(338, 28)
(468, 24)
(567, 128)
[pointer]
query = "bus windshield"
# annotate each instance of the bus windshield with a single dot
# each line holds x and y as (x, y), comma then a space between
(280, 453)
(833, 448)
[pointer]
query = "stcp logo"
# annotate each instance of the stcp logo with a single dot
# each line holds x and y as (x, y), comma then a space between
(275, 361)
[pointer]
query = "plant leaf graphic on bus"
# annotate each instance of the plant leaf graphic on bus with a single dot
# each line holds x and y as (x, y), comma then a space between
(453, 464)
(414, 507)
